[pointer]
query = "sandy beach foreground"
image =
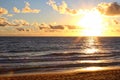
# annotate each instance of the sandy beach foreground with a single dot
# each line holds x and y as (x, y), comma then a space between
(94, 75)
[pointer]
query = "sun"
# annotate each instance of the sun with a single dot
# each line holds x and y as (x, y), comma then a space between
(91, 23)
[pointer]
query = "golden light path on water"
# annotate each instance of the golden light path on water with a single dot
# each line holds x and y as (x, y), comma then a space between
(91, 49)
(96, 68)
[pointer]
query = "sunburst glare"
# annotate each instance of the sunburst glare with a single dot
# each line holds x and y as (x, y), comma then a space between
(92, 23)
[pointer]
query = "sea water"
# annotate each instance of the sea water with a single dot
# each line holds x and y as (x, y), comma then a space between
(51, 54)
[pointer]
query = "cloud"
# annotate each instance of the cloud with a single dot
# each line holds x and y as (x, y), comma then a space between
(72, 27)
(16, 10)
(27, 9)
(57, 27)
(18, 23)
(110, 9)
(23, 29)
(20, 29)
(63, 8)
(44, 26)
(3, 22)
(52, 27)
(116, 22)
(3, 11)
(10, 15)
(64, 27)
(21, 22)
(23, 25)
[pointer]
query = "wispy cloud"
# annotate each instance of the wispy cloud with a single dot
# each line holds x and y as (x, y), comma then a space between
(16, 10)
(3, 11)
(26, 9)
(110, 9)
(63, 8)
(9, 15)
(4, 22)
(21, 22)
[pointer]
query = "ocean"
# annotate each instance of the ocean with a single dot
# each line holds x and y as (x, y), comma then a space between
(58, 54)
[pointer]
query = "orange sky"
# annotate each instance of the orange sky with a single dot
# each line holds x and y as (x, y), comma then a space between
(60, 18)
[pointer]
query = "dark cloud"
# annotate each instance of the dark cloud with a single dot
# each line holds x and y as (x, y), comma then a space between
(20, 22)
(3, 22)
(72, 27)
(57, 27)
(25, 26)
(23, 29)
(110, 9)
(20, 29)
(42, 27)
(116, 22)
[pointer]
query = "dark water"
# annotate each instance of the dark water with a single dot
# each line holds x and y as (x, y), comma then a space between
(50, 54)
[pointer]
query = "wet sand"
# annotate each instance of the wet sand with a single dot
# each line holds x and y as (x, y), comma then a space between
(93, 75)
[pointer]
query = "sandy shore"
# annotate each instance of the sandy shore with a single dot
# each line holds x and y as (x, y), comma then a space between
(96, 75)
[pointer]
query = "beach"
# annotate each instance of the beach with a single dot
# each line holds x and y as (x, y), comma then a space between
(92, 75)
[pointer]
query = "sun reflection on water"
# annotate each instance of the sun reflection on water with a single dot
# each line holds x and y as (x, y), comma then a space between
(91, 45)
(93, 61)
(93, 68)
(91, 50)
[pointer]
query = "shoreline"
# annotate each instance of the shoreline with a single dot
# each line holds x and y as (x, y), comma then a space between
(113, 74)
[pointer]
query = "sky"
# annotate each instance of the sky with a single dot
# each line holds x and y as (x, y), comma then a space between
(59, 17)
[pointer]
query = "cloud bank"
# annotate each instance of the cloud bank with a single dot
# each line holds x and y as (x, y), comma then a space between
(110, 9)
(23, 25)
